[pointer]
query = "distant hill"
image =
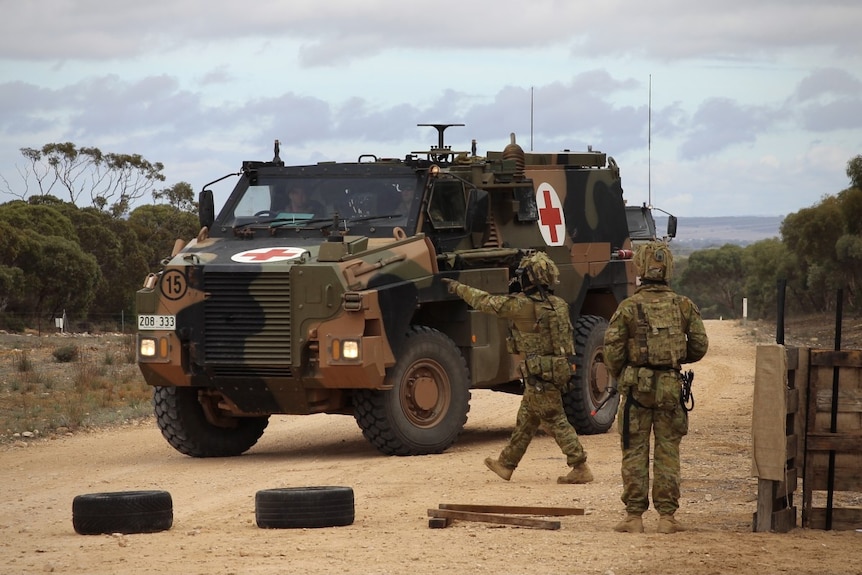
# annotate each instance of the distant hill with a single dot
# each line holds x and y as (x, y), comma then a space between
(701, 232)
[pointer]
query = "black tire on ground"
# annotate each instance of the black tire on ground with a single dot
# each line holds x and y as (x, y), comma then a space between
(426, 409)
(591, 379)
(300, 507)
(122, 512)
(181, 417)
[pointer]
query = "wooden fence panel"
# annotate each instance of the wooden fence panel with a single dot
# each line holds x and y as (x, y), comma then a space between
(832, 486)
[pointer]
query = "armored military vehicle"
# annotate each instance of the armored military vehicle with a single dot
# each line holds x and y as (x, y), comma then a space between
(642, 225)
(338, 307)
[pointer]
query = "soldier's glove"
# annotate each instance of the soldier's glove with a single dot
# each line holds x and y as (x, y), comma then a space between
(451, 285)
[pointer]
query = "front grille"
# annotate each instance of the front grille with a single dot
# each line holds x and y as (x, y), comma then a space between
(247, 319)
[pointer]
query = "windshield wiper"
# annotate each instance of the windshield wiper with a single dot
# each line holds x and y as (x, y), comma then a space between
(369, 218)
(300, 224)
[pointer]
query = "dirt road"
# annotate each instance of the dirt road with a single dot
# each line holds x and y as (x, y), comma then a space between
(214, 528)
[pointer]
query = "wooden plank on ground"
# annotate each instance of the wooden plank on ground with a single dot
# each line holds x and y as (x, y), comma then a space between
(516, 509)
(494, 518)
(438, 522)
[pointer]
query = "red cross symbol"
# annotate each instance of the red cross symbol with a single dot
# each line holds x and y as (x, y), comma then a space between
(275, 254)
(551, 219)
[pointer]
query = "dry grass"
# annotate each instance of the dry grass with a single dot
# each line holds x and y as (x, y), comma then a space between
(64, 383)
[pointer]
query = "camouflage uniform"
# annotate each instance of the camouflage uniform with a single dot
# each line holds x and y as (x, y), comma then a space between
(540, 329)
(650, 335)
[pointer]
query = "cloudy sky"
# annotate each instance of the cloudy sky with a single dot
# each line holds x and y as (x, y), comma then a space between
(756, 105)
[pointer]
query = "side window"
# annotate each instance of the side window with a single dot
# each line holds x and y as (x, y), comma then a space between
(528, 211)
(447, 207)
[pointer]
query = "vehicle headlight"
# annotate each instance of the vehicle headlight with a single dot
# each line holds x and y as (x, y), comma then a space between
(147, 347)
(345, 350)
(350, 349)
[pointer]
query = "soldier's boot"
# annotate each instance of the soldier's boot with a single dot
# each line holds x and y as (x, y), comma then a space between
(669, 524)
(579, 474)
(497, 467)
(631, 524)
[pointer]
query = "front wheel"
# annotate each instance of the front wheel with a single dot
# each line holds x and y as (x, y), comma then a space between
(190, 422)
(591, 380)
(426, 407)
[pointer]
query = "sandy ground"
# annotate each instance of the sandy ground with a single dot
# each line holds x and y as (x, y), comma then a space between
(214, 530)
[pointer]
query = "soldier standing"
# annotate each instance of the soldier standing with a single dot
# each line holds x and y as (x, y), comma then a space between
(650, 335)
(541, 329)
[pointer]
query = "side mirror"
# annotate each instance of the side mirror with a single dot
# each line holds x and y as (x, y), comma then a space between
(671, 226)
(206, 209)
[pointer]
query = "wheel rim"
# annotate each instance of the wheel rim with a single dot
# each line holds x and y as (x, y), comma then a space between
(425, 393)
(599, 377)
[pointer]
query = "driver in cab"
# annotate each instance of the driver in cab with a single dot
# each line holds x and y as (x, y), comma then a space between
(296, 201)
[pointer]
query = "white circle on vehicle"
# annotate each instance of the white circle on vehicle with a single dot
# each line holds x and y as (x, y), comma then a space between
(552, 220)
(268, 255)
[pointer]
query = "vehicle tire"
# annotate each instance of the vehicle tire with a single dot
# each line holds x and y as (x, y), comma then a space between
(300, 507)
(591, 380)
(426, 408)
(122, 512)
(184, 423)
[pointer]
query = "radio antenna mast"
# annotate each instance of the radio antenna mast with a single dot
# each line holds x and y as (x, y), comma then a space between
(649, 145)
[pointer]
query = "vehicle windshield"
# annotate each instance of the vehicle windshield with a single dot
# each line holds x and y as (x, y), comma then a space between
(285, 202)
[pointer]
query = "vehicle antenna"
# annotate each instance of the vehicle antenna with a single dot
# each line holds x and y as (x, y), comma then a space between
(649, 145)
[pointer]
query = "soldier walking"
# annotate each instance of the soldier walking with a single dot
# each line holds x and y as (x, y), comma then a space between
(541, 329)
(651, 334)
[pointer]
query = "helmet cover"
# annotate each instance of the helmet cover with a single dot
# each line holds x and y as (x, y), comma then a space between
(540, 269)
(654, 261)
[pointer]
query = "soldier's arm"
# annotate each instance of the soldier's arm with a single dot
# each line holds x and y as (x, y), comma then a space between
(478, 299)
(698, 343)
(615, 354)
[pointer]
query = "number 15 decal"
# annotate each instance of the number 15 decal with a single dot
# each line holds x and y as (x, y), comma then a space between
(174, 284)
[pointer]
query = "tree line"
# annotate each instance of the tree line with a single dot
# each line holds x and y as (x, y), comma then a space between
(819, 252)
(89, 261)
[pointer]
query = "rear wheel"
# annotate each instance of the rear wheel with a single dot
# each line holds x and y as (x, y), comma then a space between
(426, 408)
(591, 380)
(191, 422)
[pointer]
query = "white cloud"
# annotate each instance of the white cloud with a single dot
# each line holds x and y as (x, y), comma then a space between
(754, 106)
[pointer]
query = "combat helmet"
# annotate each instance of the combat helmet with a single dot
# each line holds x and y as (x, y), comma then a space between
(539, 269)
(654, 261)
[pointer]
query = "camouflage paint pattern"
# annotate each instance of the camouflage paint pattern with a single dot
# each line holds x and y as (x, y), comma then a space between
(263, 333)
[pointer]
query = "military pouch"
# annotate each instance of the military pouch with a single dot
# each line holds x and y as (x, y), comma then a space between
(541, 366)
(667, 390)
(643, 386)
(563, 372)
(646, 380)
(628, 379)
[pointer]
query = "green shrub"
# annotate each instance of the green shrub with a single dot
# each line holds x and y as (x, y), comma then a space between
(12, 323)
(66, 354)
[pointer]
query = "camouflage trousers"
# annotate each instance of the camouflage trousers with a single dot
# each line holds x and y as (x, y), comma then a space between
(537, 407)
(668, 427)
